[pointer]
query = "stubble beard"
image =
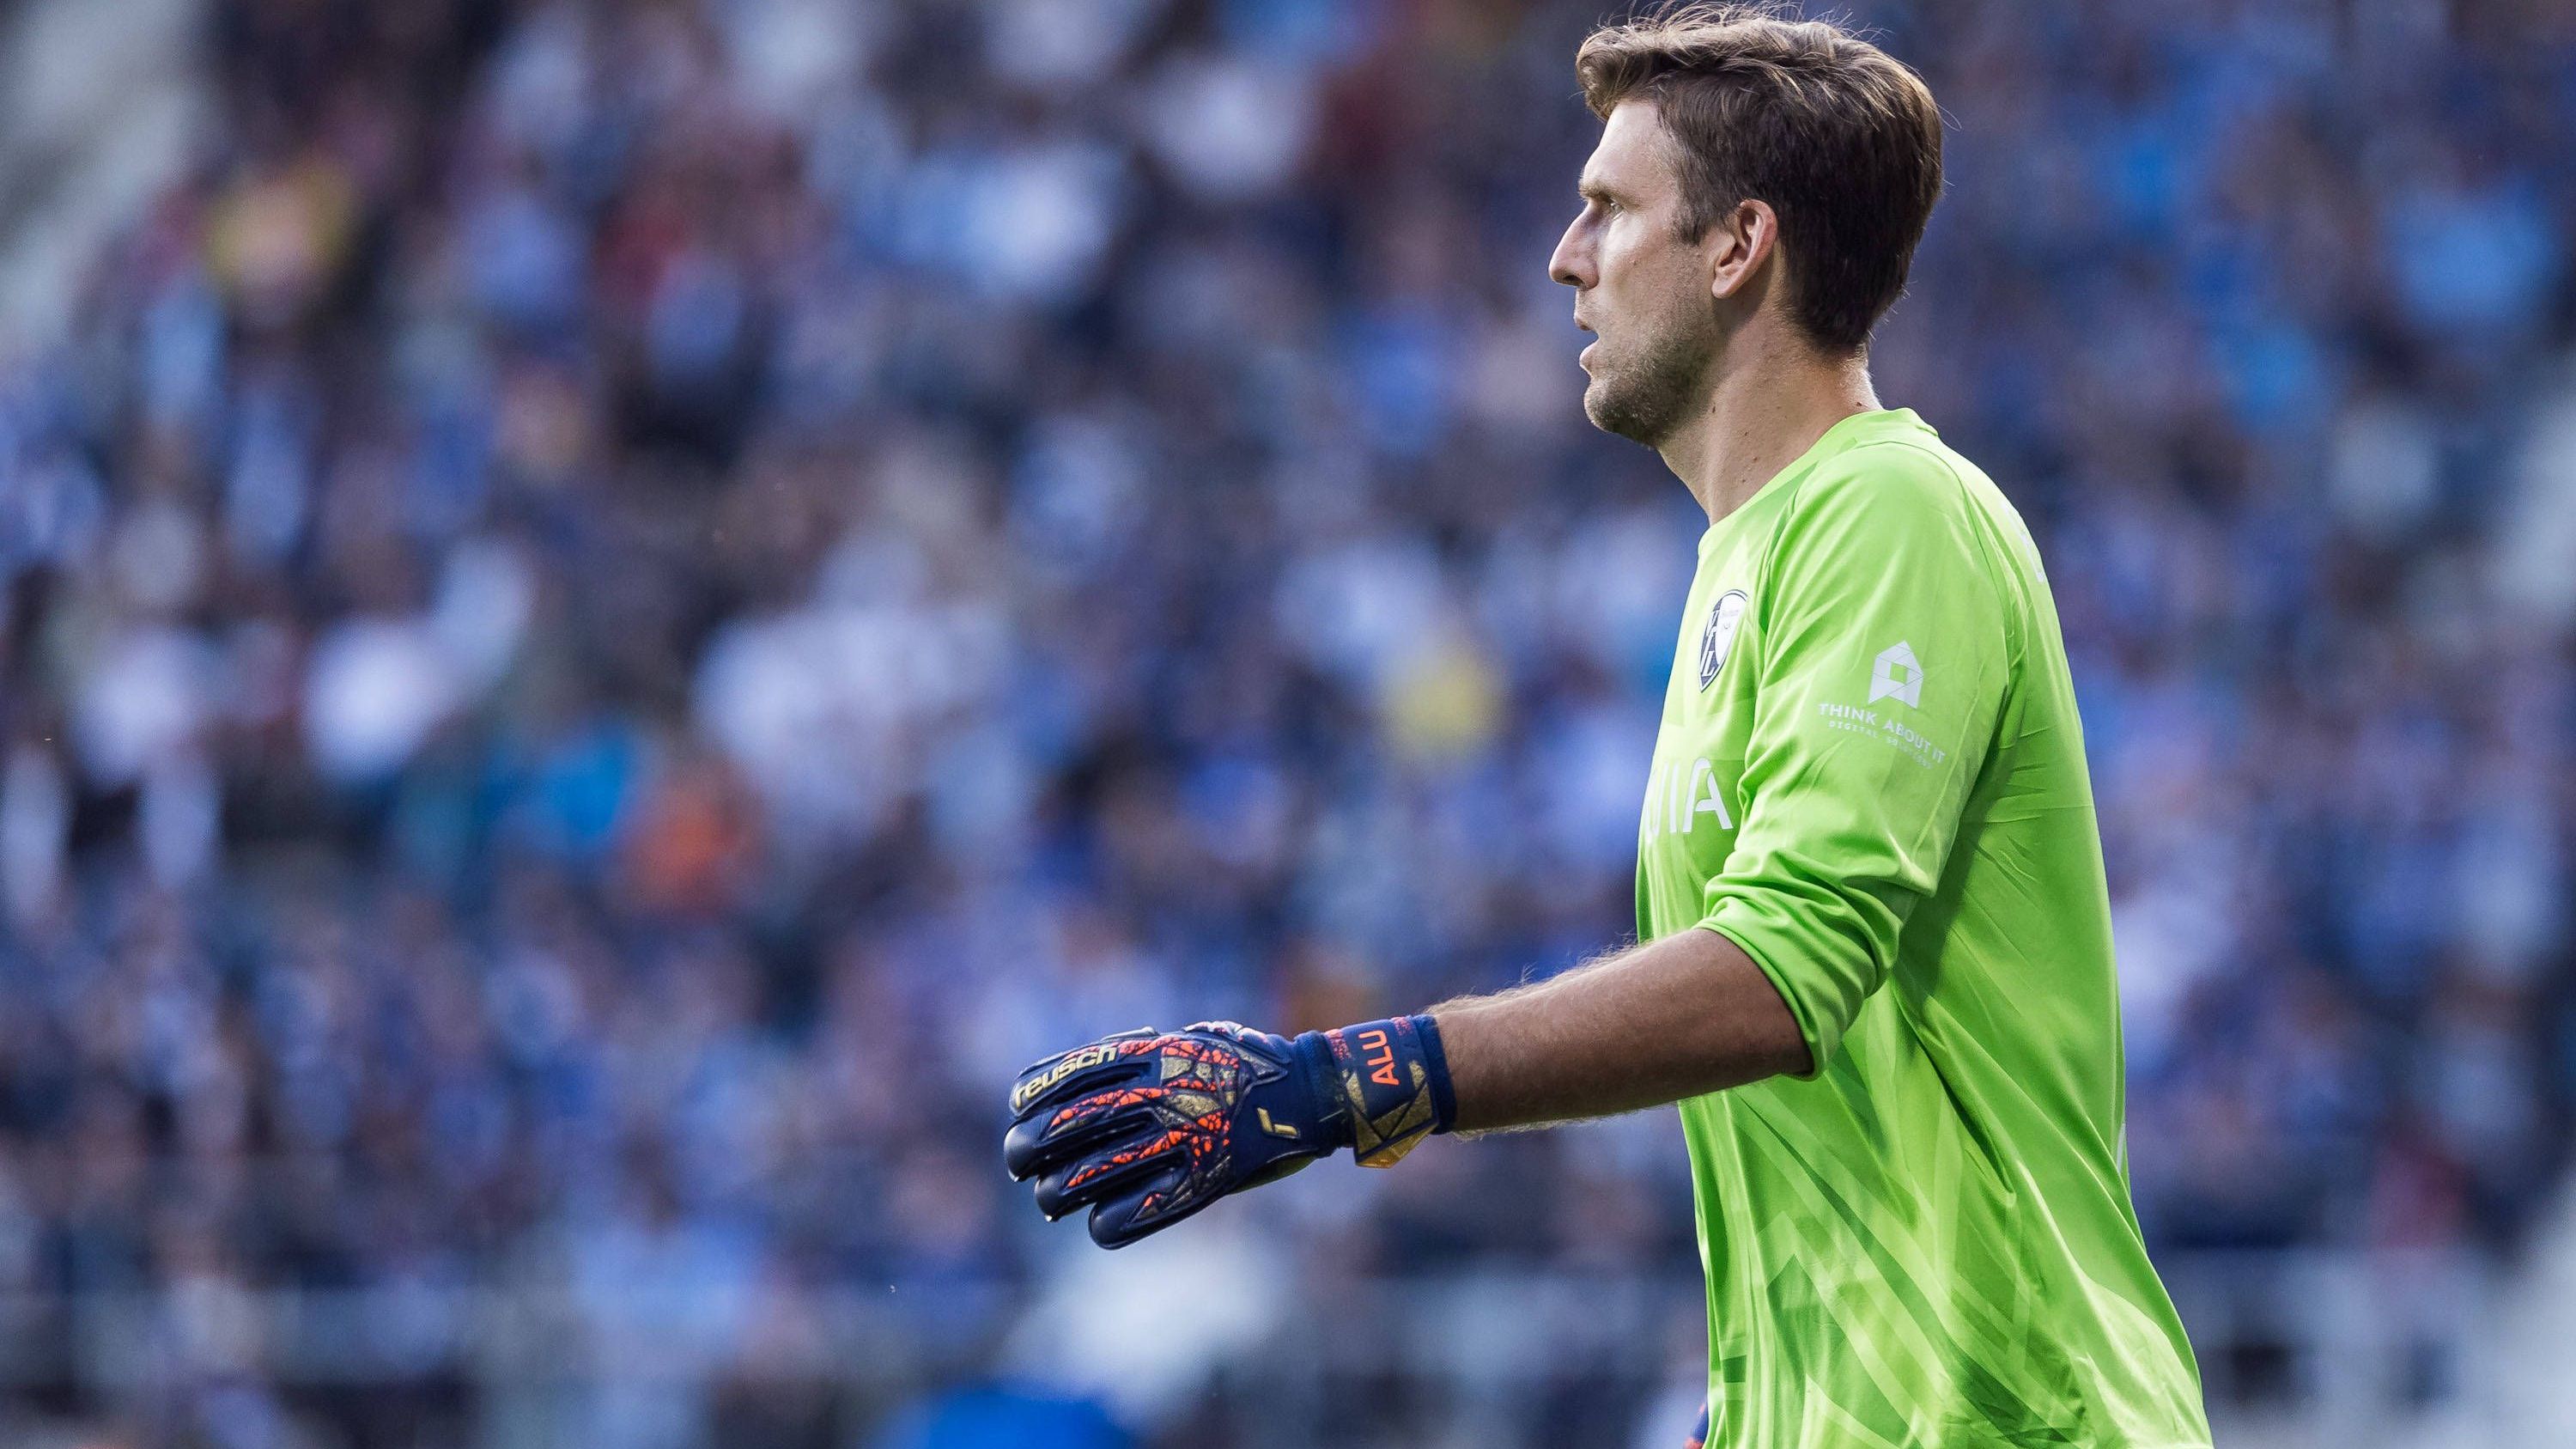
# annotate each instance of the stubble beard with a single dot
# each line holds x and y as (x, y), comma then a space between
(1645, 399)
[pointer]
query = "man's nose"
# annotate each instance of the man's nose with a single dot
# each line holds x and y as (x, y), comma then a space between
(1572, 262)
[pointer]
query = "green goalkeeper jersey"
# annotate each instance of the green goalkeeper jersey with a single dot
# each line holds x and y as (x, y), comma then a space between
(1871, 777)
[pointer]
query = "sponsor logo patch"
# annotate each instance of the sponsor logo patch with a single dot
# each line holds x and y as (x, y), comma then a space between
(1896, 675)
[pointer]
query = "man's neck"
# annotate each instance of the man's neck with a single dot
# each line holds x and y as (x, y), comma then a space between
(1769, 401)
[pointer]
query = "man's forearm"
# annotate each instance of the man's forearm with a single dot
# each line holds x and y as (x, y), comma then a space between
(1673, 1018)
(1144, 1128)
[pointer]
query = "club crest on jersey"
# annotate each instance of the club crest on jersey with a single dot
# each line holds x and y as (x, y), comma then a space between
(1719, 637)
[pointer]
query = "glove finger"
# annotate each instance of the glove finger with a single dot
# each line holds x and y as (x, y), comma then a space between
(1106, 1172)
(1264, 1055)
(1085, 1068)
(1052, 1138)
(1144, 1209)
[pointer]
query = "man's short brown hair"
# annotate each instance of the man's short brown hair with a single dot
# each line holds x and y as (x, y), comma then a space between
(1840, 139)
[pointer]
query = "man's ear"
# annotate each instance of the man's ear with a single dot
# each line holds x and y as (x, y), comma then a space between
(1739, 242)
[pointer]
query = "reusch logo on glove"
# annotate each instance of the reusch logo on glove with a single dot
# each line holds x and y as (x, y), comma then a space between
(1074, 1061)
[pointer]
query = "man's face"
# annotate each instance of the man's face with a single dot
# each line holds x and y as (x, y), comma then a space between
(1639, 286)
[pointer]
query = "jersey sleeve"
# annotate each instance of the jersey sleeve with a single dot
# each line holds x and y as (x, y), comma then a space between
(1884, 656)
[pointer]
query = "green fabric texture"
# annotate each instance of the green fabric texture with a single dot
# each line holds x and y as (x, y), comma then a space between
(1870, 775)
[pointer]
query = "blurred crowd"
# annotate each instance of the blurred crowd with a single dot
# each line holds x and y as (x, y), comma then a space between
(614, 611)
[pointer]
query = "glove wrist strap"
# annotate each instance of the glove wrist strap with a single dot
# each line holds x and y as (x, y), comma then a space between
(1390, 1080)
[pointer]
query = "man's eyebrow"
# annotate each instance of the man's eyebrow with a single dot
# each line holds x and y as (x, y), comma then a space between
(1593, 188)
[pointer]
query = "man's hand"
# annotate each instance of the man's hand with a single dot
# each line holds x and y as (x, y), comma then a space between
(1146, 1128)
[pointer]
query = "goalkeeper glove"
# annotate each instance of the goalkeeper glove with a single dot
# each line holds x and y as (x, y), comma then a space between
(1146, 1128)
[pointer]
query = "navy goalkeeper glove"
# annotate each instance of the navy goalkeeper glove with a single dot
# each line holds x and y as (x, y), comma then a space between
(1146, 1128)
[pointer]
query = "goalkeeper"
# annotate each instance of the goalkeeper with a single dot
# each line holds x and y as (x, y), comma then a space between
(1875, 966)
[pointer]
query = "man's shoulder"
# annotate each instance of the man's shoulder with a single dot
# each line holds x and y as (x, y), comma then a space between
(1894, 475)
(1888, 494)
(1907, 491)
(1903, 521)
